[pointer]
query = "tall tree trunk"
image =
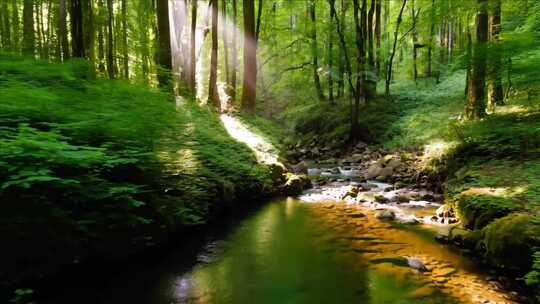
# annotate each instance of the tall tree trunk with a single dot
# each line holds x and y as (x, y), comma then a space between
(89, 41)
(495, 90)
(15, 23)
(224, 30)
(360, 31)
(213, 96)
(476, 105)
(29, 39)
(6, 37)
(193, 48)
(39, 28)
(77, 32)
(314, 51)
(249, 86)
(101, 43)
(371, 81)
(429, 64)
(391, 60)
(62, 29)
(378, 9)
(111, 64)
(164, 44)
(414, 41)
(331, 58)
(232, 94)
(125, 53)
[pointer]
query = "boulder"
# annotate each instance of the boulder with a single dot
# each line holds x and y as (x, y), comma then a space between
(417, 264)
(295, 184)
(301, 167)
(381, 199)
(385, 215)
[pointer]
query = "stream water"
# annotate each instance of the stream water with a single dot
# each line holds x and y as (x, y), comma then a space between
(291, 251)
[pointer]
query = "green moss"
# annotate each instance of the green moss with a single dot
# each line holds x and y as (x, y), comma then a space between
(508, 242)
(476, 211)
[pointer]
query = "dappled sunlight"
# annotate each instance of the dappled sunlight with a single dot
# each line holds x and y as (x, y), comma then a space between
(436, 150)
(496, 192)
(265, 152)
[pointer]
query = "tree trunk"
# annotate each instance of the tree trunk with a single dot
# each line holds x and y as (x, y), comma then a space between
(330, 58)
(224, 30)
(391, 60)
(495, 90)
(6, 38)
(101, 43)
(249, 86)
(111, 65)
(15, 24)
(476, 107)
(164, 44)
(360, 31)
(125, 54)
(314, 51)
(77, 33)
(232, 93)
(29, 39)
(414, 41)
(193, 48)
(89, 35)
(378, 9)
(429, 67)
(213, 96)
(39, 28)
(371, 80)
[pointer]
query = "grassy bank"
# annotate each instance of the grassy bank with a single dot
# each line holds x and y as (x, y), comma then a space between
(99, 167)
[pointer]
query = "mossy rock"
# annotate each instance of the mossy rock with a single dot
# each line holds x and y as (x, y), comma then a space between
(295, 184)
(509, 242)
(475, 211)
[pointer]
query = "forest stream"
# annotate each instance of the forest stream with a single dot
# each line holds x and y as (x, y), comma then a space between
(310, 249)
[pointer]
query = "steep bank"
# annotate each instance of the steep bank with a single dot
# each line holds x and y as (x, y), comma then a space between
(106, 168)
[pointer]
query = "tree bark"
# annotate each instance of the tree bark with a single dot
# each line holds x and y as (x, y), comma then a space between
(371, 80)
(378, 9)
(164, 44)
(495, 90)
(101, 43)
(391, 60)
(15, 24)
(414, 41)
(125, 53)
(6, 38)
(249, 86)
(77, 33)
(314, 51)
(89, 40)
(232, 93)
(213, 96)
(429, 64)
(111, 64)
(29, 39)
(330, 58)
(193, 48)
(476, 107)
(225, 37)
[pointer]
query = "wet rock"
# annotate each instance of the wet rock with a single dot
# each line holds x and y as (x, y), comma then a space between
(445, 211)
(301, 168)
(381, 199)
(442, 238)
(385, 215)
(295, 184)
(417, 264)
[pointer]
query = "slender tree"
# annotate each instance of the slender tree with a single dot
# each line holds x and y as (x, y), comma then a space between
(6, 32)
(29, 39)
(331, 58)
(393, 53)
(213, 96)
(164, 58)
(249, 86)
(476, 107)
(232, 93)
(125, 53)
(314, 51)
(193, 48)
(77, 32)
(495, 90)
(15, 24)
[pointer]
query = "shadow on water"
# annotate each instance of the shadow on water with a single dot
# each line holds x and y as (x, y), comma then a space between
(280, 253)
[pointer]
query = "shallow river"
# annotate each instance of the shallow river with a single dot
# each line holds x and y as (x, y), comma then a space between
(294, 252)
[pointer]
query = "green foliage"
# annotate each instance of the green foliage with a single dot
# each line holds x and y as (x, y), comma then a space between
(99, 167)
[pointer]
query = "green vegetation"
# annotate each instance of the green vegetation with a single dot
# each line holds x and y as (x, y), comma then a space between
(87, 162)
